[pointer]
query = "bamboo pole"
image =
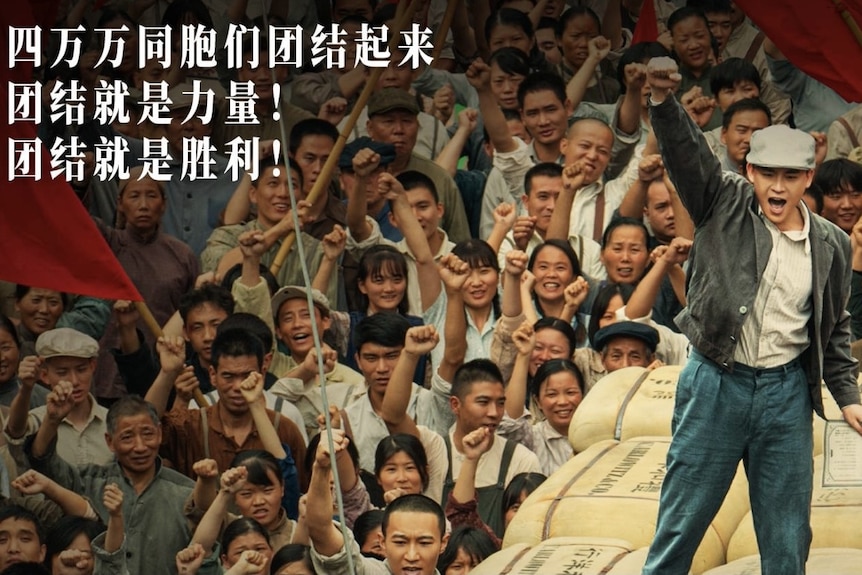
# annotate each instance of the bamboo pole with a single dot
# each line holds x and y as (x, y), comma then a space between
(848, 19)
(444, 29)
(326, 172)
(156, 330)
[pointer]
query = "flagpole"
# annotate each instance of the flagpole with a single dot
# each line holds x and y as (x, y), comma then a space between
(326, 172)
(444, 29)
(848, 19)
(156, 330)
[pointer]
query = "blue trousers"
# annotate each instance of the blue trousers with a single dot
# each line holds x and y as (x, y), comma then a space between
(761, 417)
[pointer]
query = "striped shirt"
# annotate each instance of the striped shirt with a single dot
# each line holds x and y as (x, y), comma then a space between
(775, 331)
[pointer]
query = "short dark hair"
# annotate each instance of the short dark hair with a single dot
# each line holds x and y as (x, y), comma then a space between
(412, 179)
(18, 513)
(21, 290)
(730, 72)
(620, 222)
(540, 82)
(130, 406)
(817, 195)
(546, 169)
(552, 367)
(639, 53)
(311, 454)
(556, 324)
(475, 542)
(250, 323)
(293, 552)
(236, 342)
(354, 19)
(546, 22)
(208, 293)
(576, 12)
(603, 299)
(835, 175)
(311, 127)
(9, 327)
(475, 371)
(564, 247)
(176, 11)
(384, 328)
(268, 161)
(235, 272)
(746, 105)
(410, 445)
(509, 114)
(414, 503)
(257, 462)
(27, 568)
(238, 528)
(508, 17)
(511, 60)
(383, 15)
(61, 535)
(365, 524)
(685, 13)
(711, 6)
(525, 482)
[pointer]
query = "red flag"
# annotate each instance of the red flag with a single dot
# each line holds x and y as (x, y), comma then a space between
(646, 29)
(48, 239)
(814, 36)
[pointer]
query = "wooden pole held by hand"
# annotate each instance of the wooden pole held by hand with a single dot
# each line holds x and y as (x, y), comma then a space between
(326, 172)
(440, 40)
(156, 330)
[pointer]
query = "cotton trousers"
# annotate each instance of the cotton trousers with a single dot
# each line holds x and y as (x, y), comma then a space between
(761, 417)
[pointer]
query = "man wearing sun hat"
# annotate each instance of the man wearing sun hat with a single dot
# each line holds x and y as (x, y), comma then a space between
(769, 283)
(67, 361)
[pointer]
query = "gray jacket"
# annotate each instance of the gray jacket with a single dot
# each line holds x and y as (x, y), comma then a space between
(731, 249)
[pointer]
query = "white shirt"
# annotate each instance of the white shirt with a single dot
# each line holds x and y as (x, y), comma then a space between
(414, 292)
(583, 215)
(588, 252)
(775, 330)
(550, 446)
(478, 341)
(488, 468)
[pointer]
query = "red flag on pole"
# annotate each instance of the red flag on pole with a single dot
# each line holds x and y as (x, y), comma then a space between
(47, 238)
(646, 29)
(814, 35)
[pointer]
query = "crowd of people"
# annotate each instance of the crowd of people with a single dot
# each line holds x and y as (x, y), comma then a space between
(503, 228)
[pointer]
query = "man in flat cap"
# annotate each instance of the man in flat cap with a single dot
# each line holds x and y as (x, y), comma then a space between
(767, 322)
(392, 114)
(67, 360)
(626, 344)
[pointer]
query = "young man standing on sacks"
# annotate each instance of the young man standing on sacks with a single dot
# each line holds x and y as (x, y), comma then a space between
(766, 318)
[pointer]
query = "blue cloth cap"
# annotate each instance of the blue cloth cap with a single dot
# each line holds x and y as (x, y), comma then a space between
(386, 152)
(646, 333)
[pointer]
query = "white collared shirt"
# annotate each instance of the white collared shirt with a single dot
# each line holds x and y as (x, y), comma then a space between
(775, 331)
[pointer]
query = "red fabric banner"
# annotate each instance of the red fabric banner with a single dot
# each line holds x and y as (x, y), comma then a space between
(815, 37)
(646, 29)
(47, 238)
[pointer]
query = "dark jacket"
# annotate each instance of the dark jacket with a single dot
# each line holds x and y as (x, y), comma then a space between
(731, 249)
